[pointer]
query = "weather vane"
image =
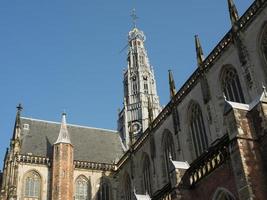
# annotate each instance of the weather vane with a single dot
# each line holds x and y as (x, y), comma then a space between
(134, 17)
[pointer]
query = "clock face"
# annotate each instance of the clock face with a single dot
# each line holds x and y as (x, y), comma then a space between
(136, 127)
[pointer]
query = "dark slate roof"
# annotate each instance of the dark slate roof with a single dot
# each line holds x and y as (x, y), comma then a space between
(90, 144)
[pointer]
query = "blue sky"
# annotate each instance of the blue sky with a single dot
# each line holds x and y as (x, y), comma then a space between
(60, 55)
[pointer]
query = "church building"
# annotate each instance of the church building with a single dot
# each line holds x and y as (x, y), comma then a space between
(208, 143)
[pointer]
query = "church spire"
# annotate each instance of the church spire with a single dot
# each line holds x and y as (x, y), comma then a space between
(171, 85)
(17, 127)
(199, 51)
(139, 85)
(63, 136)
(233, 12)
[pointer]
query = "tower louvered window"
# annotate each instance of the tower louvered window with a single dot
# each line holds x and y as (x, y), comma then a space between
(145, 84)
(231, 86)
(82, 189)
(134, 87)
(142, 59)
(32, 186)
(198, 131)
(145, 87)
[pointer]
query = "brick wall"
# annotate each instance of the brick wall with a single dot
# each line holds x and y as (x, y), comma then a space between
(62, 172)
(222, 177)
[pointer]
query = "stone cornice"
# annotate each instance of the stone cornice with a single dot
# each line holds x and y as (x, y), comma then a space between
(33, 159)
(77, 164)
(94, 165)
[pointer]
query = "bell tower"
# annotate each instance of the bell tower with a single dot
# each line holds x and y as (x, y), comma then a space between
(140, 91)
(62, 166)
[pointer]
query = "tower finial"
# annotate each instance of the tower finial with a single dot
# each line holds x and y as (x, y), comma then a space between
(134, 17)
(19, 107)
(233, 12)
(171, 85)
(199, 51)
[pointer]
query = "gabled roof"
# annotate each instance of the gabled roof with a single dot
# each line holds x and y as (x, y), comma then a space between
(90, 144)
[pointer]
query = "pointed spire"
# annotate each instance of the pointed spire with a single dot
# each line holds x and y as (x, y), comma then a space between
(19, 109)
(63, 136)
(171, 85)
(233, 12)
(199, 51)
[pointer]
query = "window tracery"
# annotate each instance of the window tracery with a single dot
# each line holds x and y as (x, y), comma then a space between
(231, 86)
(81, 188)
(198, 131)
(169, 151)
(32, 186)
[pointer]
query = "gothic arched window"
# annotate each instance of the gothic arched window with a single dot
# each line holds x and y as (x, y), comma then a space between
(169, 151)
(197, 128)
(264, 43)
(146, 174)
(32, 186)
(104, 192)
(82, 188)
(231, 85)
(127, 188)
(222, 194)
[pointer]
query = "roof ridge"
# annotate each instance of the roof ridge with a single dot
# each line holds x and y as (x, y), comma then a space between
(73, 125)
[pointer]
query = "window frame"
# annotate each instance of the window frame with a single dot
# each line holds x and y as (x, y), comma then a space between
(231, 85)
(197, 129)
(168, 149)
(86, 189)
(31, 191)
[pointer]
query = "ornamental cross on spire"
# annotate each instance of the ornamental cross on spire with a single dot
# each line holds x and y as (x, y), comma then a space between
(134, 17)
